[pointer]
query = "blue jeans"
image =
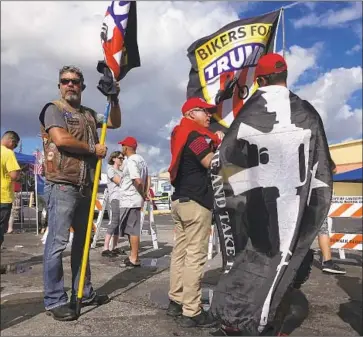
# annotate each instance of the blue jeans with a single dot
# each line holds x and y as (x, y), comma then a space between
(67, 207)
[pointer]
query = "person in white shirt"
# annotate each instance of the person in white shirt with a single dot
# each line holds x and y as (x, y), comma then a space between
(133, 192)
(114, 179)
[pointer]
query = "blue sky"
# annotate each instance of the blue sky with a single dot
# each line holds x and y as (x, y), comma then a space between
(338, 39)
(341, 33)
(323, 40)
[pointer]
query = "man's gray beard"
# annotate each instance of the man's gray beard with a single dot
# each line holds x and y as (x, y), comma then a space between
(72, 99)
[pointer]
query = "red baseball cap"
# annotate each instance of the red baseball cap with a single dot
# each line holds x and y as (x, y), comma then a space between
(196, 102)
(129, 141)
(270, 64)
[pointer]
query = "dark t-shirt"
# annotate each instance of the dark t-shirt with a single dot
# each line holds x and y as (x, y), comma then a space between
(53, 117)
(192, 180)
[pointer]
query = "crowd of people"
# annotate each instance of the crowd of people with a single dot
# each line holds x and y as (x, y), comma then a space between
(71, 151)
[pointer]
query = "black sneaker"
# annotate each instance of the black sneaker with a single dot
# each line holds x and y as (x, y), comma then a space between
(128, 263)
(203, 320)
(118, 251)
(332, 268)
(62, 313)
(108, 253)
(97, 301)
(174, 309)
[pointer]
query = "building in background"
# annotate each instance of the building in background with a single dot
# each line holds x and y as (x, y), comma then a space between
(161, 183)
(162, 189)
(348, 158)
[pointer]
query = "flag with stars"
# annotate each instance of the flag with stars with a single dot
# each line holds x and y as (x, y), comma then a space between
(38, 165)
(272, 184)
(119, 38)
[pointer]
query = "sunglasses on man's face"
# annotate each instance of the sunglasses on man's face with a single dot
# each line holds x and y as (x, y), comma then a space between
(75, 81)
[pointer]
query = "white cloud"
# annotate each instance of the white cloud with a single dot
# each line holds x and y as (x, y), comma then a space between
(310, 5)
(354, 49)
(331, 18)
(330, 94)
(61, 33)
(299, 60)
(357, 29)
(167, 129)
(153, 156)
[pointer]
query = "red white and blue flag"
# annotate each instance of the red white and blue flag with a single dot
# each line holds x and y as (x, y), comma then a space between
(119, 38)
(38, 166)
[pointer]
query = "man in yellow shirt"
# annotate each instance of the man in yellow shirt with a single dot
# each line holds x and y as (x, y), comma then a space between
(9, 172)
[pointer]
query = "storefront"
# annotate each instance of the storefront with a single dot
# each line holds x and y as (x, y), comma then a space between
(348, 159)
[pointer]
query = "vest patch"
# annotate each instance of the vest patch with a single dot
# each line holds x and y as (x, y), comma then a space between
(72, 121)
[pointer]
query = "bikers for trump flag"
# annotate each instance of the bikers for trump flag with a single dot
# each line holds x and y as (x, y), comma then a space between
(119, 38)
(272, 186)
(223, 64)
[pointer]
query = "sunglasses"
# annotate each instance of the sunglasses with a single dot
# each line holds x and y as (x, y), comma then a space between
(75, 81)
(121, 158)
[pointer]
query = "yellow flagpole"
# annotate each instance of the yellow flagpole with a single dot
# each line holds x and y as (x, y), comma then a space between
(87, 242)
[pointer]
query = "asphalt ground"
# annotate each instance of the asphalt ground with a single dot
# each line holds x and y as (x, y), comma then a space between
(331, 305)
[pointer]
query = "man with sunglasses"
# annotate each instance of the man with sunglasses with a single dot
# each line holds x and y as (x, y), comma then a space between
(71, 151)
(192, 148)
(9, 172)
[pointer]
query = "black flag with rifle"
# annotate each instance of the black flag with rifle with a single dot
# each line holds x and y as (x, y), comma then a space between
(272, 183)
(271, 177)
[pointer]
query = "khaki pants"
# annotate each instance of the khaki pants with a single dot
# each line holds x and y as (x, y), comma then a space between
(192, 229)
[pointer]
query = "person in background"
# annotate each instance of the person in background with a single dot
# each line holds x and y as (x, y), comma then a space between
(191, 210)
(327, 264)
(151, 195)
(71, 152)
(134, 191)
(15, 209)
(114, 179)
(9, 173)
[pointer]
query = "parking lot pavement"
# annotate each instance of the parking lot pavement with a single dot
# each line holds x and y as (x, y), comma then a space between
(332, 304)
